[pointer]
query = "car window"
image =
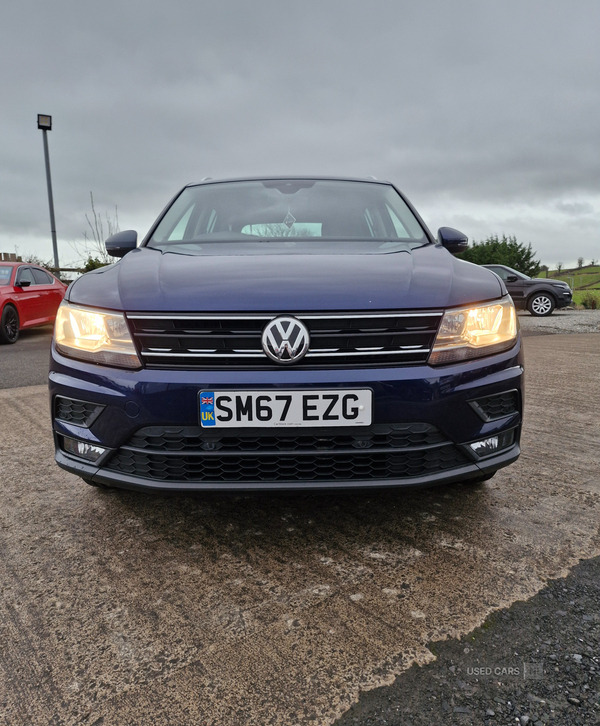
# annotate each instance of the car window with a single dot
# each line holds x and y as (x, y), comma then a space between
(180, 227)
(5, 273)
(41, 277)
(298, 229)
(502, 272)
(25, 275)
(401, 230)
(279, 209)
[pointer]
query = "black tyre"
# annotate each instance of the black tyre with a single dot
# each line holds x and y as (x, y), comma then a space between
(9, 325)
(541, 304)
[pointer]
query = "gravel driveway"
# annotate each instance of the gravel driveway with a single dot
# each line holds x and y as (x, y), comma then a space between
(561, 321)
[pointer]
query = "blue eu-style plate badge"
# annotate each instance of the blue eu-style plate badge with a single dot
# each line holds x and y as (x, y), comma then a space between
(207, 408)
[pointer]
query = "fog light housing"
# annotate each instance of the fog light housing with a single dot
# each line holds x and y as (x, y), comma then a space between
(493, 444)
(82, 449)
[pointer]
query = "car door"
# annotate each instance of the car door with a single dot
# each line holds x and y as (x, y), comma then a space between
(515, 287)
(49, 293)
(27, 297)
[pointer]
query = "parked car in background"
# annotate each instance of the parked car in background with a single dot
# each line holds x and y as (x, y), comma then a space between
(540, 296)
(29, 296)
(297, 333)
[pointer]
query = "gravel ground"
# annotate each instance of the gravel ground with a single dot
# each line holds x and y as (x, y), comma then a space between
(538, 661)
(561, 321)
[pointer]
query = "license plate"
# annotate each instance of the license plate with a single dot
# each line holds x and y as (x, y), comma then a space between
(273, 409)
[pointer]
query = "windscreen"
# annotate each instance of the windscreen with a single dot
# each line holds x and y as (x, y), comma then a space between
(302, 211)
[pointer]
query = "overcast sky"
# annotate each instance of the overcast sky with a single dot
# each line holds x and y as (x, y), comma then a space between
(486, 114)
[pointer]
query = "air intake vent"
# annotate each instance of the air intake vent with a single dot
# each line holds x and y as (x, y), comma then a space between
(498, 406)
(73, 411)
(378, 452)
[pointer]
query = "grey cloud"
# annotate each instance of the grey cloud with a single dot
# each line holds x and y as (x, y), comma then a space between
(574, 209)
(495, 103)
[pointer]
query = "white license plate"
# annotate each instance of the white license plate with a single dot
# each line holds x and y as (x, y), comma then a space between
(274, 408)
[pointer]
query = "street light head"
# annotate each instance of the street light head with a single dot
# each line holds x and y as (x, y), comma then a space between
(44, 122)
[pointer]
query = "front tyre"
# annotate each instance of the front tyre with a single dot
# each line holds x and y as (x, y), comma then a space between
(541, 304)
(9, 325)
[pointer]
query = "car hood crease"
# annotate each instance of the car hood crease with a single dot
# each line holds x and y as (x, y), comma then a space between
(148, 280)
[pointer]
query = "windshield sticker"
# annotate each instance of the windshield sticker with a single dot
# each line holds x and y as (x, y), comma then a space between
(289, 220)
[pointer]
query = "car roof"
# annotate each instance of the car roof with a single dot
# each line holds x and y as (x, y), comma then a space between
(290, 177)
(12, 263)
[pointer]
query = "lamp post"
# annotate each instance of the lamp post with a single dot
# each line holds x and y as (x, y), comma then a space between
(45, 124)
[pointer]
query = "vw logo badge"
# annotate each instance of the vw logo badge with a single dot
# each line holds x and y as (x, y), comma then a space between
(285, 340)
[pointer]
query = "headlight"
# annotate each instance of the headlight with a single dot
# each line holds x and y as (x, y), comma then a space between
(474, 332)
(94, 336)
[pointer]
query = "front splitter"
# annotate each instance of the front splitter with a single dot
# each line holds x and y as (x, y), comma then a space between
(106, 477)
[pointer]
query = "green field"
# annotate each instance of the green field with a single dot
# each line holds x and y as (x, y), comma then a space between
(584, 297)
(587, 277)
(585, 282)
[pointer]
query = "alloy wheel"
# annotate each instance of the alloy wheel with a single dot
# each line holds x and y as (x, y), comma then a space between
(10, 324)
(541, 305)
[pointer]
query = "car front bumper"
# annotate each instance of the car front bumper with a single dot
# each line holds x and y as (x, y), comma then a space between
(148, 423)
(564, 299)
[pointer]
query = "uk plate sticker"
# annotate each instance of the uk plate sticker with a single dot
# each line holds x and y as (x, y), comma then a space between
(207, 408)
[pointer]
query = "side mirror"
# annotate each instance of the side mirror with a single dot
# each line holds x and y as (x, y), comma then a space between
(121, 243)
(23, 283)
(512, 278)
(453, 240)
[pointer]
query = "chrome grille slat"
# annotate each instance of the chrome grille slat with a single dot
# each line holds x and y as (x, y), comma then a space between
(370, 352)
(336, 340)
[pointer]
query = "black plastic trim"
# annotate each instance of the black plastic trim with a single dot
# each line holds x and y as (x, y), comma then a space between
(124, 481)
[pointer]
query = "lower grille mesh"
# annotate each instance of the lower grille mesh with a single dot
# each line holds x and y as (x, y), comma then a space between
(193, 438)
(381, 452)
(79, 413)
(497, 406)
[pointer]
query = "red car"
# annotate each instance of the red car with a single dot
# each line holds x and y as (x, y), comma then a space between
(29, 296)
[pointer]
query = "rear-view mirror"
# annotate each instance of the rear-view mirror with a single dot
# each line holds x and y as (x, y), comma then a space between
(121, 243)
(453, 240)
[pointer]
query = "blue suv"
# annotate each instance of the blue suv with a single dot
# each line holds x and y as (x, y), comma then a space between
(295, 333)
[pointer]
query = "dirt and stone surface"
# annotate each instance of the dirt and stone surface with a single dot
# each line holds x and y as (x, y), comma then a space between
(121, 608)
(535, 663)
(561, 321)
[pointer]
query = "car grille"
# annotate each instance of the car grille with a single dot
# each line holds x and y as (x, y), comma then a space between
(336, 340)
(494, 407)
(377, 453)
(73, 411)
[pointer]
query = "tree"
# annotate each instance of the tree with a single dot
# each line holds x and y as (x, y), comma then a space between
(35, 260)
(559, 266)
(93, 263)
(505, 251)
(32, 259)
(92, 251)
(580, 262)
